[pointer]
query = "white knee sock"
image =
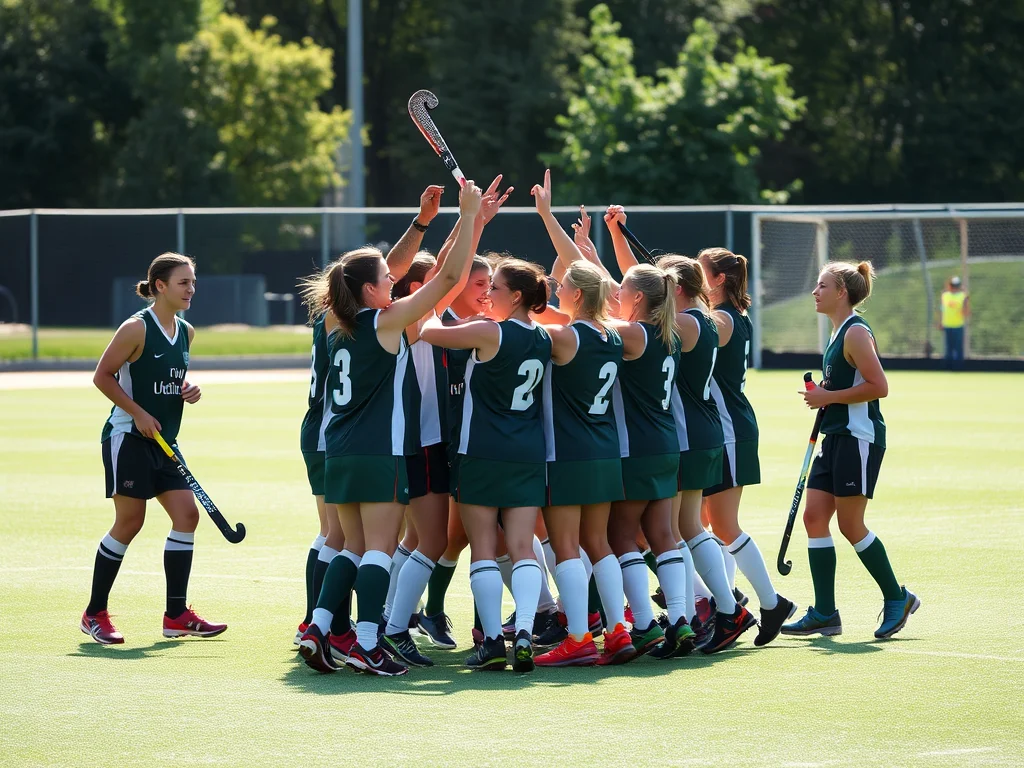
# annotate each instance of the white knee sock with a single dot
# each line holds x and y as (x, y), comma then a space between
(608, 575)
(526, 583)
(571, 578)
(730, 566)
(637, 589)
(401, 555)
(411, 583)
(690, 598)
(748, 558)
(547, 602)
(672, 578)
(485, 581)
(707, 559)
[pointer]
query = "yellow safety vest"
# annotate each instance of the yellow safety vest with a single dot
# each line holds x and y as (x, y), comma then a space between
(953, 309)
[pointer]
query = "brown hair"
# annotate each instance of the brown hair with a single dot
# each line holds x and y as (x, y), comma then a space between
(659, 288)
(527, 278)
(855, 279)
(689, 276)
(481, 262)
(595, 287)
(160, 269)
(422, 263)
(339, 287)
(722, 261)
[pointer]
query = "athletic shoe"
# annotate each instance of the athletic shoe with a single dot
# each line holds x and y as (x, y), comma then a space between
(618, 647)
(314, 649)
(570, 653)
(628, 616)
(300, 632)
(374, 662)
(595, 624)
(101, 629)
(508, 626)
(895, 614)
(551, 631)
(414, 622)
(191, 623)
(814, 623)
(646, 639)
(705, 609)
(678, 641)
(740, 598)
(489, 655)
(341, 645)
(403, 647)
(663, 622)
(728, 629)
(437, 629)
(658, 598)
(382, 626)
(772, 620)
(522, 653)
(478, 638)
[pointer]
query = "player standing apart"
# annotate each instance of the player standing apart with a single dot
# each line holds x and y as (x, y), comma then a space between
(142, 372)
(844, 473)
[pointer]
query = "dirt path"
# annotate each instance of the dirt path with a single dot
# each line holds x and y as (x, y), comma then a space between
(73, 379)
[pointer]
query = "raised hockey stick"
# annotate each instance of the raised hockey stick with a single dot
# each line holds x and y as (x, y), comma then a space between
(635, 242)
(419, 105)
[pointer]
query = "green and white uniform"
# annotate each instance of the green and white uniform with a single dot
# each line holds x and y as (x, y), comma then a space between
(740, 464)
(642, 398)
(455, 361)
(853, 445)
(427, 462)
(311, 435)
(584, 466)
(366, 435)
(134, 465)
(698, 424)
(501, 437)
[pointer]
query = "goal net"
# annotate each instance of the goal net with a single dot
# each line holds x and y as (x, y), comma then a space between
(914, 255)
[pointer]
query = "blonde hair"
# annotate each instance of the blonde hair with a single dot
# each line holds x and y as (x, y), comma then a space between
(690, 277)
(855, 279)
(722, 261)
(339, 287)
(595, 287)
(659, 288)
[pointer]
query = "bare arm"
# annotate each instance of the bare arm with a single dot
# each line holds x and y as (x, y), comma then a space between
(859, 349)
(564, 246)
(623, 253)
(126, 346)
(564, 343)
(724, 322)
(634, 338)
(401, 254)
(551, 315)
(688, 329)
(478, 334)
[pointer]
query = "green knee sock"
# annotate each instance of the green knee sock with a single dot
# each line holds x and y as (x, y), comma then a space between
(821, 554)
(371, 588)
(437, 586)
(872, 554)
(338, 581)
(651, 560)
(311, 596)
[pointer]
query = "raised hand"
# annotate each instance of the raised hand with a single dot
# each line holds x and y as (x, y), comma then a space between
(615, 214)
(491, 202)
(470, 200)
(542, 195)
(430, 202)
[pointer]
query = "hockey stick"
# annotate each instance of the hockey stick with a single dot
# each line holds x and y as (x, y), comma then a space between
(785, 566)
(419, 104)
(234, 535)
(635, 242)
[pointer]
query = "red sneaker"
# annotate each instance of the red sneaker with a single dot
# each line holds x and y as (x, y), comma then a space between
(191, 623)
(478, 638)
(618, 647)
(341, 645)
(594, 623)
(101, 629)
(303, 626)
(629, 616)
(570, 653)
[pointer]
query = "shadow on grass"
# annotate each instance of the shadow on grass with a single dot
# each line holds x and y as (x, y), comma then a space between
(92, 650)
(830, 646)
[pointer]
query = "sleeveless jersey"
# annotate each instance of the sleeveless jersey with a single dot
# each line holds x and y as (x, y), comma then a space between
(429, 405)
(154, 381)
(698, 425)
(578, 421)
(455, 361)
(862, 420)
(311, 434)
(730, 379)
(368, 393)
(642, 398)
(501, 414)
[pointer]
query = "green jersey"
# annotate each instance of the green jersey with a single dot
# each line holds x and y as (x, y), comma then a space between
(501, 418)
(455, 361)
(642, 398)
(311, 436)
(579, 425)
(368, 393)
(429, 405)
(154, 381)
(730, 379)
(862, 420)
(698, 425)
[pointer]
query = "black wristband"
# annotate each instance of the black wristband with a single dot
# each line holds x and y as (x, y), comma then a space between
(419, 227)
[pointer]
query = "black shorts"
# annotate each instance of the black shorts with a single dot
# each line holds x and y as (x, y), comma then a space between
(138, 468)
(428, 471)
(846, 466)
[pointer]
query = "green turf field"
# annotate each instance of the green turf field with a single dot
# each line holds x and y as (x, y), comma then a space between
(946, 691)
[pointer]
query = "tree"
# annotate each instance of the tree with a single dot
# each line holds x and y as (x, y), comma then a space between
(688, 136)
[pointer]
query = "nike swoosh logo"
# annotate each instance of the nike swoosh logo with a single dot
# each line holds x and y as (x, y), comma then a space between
(157, 357)
(378, 665)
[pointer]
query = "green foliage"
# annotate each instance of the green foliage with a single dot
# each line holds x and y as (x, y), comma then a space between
(690, 135)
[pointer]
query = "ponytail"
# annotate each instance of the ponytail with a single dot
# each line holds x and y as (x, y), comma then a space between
(595, 288)
(345, 281)
(722, 261)
(855, 279)
(690, 277)
(658, 287)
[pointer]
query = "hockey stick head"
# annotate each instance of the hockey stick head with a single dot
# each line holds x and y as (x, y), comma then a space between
(419, 105)
(784, 566)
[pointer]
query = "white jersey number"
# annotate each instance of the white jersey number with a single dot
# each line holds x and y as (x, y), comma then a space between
(607, 375)
(669, 369)
(522, 397)
(746, 357)
(707, 384)
(343, 362)
(312, 375)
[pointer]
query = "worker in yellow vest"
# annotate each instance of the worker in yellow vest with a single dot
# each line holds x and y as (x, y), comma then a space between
(953, 315)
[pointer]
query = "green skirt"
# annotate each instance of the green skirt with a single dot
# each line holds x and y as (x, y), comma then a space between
(315, 470)
(593, 481)
(648, 478)
(366, 480)
(500, 484)
(700, 469)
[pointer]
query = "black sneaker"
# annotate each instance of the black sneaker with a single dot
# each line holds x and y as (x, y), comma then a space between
(403, 647)
(663, 622)
(729, 628)
(315, 651)
(740, 598)
(550, 631)
(522, 653)
(678, 641)
(658, 598)
(508, 626)
(374, 662)
(437, 629)
(489, 655)
(773, 619)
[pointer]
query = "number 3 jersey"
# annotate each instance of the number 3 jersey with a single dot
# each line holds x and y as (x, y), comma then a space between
(579, 424)
(501, 411)
(367, 392)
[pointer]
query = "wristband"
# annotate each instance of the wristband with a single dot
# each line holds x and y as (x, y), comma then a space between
(419, 227)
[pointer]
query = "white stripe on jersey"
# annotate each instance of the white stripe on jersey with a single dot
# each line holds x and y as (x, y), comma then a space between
(398, 404)
(467, 405)
(430, 413)
(549, 415)
(860, 424)
(728, 428)
(679, 415)
(115, 448)
(120, 420)
(618, 408)
(864, 447)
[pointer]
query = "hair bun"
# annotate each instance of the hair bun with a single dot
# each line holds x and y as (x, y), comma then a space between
(142, 289)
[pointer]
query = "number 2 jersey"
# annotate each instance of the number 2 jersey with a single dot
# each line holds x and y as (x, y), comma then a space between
(501, 413)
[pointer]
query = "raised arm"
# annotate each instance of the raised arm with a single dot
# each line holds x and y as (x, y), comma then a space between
(564, 246)
(623, 253)
(401, 254)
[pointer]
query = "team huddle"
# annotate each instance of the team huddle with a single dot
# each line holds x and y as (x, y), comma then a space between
(583, 434)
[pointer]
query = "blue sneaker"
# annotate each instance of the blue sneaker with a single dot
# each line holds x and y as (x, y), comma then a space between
(814, 623)
(438, 629)
(895, 614)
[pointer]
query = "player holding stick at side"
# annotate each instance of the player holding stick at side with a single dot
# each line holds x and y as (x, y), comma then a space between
(845, 471)
(142, 372)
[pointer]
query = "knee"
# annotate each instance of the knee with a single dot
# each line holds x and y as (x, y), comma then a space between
(853, 531)
(565, 549)
(126, 530)
(815, 519)
(187, 519)
(433, 544)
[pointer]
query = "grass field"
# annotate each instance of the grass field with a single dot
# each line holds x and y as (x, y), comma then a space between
(946, 691)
